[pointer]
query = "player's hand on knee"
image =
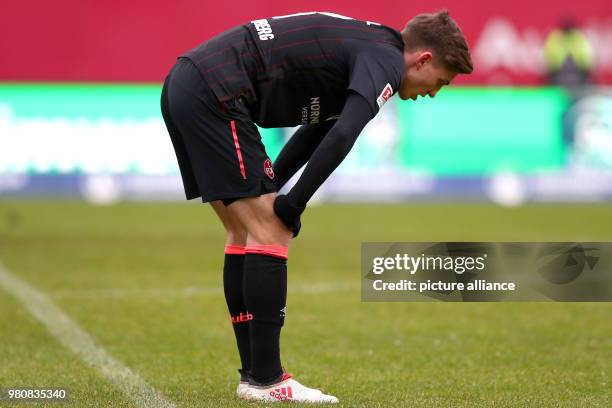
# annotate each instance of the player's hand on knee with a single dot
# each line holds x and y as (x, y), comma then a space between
(288, 213)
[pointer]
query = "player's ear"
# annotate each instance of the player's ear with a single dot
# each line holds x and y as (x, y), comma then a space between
(423, 58)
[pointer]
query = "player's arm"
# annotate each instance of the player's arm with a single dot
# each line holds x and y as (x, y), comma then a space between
(297, 151)
(334, 147)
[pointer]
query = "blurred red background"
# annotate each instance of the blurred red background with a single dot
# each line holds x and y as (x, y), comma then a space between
(138, 40)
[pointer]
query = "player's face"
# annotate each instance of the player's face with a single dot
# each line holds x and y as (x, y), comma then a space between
(423, 77)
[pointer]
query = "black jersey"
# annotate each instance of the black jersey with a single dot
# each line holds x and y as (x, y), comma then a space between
(298, 69)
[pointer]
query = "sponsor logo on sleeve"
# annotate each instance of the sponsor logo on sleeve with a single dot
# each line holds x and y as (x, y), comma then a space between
(384, 96)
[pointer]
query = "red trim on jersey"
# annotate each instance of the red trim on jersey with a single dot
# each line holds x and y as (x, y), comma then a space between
(277, 22)
(317, 26)
(311, 57)
(293, 44)
(238, 152)
(277, 251)
(231, 62)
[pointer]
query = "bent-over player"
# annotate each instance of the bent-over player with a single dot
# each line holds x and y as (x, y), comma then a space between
(328, 73)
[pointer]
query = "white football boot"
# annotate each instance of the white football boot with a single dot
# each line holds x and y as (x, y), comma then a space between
(288, 389)
(243, 385)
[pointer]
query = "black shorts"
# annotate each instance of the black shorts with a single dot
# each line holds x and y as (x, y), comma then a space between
(218, 147)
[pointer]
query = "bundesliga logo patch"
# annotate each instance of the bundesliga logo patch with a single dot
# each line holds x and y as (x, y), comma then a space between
(268, 168)
(384, 96)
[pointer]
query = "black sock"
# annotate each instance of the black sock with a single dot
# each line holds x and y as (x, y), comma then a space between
(233, 277)
(265, 291)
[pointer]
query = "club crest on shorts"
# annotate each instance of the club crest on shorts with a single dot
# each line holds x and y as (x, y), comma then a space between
(384, 96)
(268, 168)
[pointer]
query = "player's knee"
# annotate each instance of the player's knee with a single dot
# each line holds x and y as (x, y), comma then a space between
(236, 232)
(262, 225)
(269, 231)
(236, 236)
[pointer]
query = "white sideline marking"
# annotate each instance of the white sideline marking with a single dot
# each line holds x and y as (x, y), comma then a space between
(73, 337)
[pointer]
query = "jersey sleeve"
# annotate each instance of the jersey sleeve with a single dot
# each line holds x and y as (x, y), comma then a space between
(298, 150)
(332, 150)
(376, 74)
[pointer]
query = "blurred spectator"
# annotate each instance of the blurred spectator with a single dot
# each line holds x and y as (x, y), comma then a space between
(568, 55)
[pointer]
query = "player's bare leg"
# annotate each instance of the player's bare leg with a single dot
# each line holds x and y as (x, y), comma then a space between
(258, 218)
(236, 233)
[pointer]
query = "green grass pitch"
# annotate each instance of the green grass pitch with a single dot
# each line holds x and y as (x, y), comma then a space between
(144, 280)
